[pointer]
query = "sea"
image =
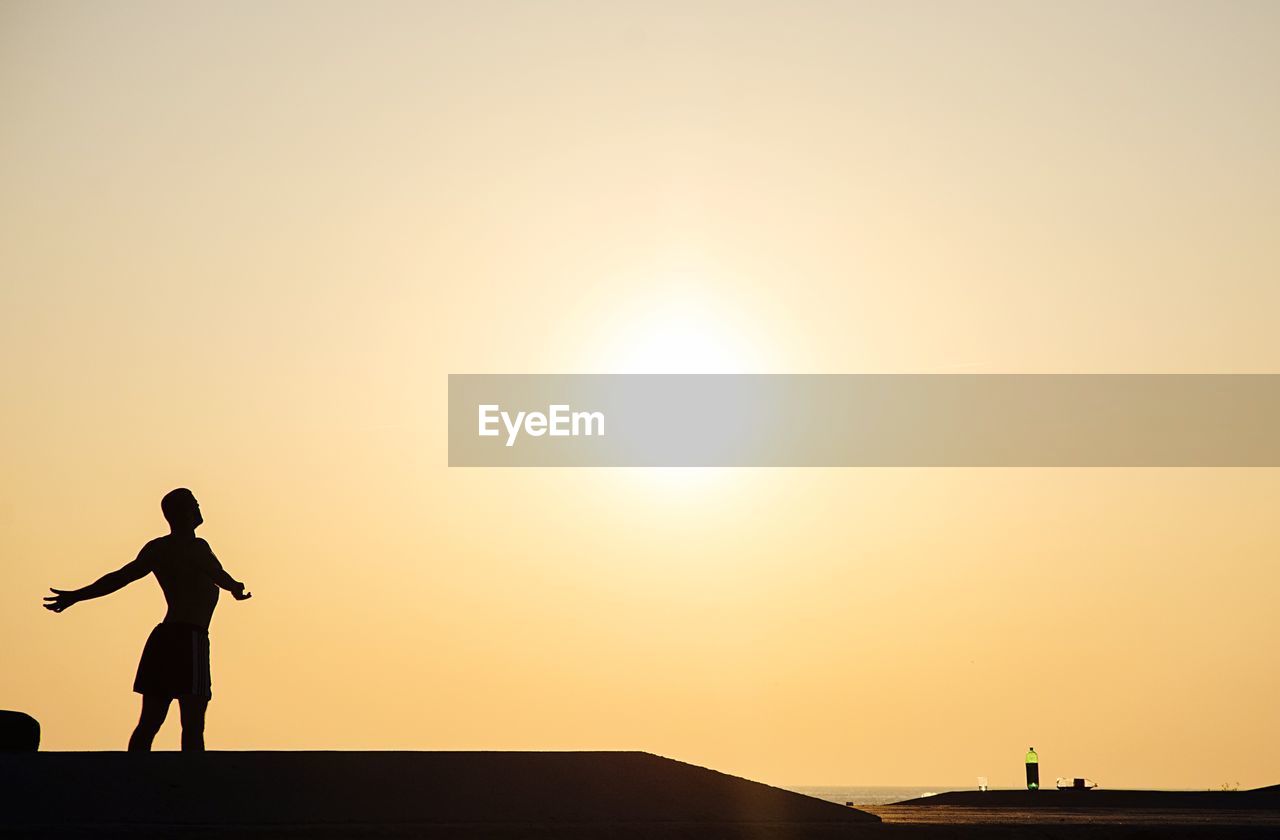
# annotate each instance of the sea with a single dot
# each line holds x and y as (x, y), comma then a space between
(870, 795)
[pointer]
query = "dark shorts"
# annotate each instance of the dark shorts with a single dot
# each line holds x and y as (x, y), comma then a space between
(175, 662)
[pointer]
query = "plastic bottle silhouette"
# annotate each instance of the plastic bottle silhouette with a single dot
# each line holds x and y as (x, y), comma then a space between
(1033, 769)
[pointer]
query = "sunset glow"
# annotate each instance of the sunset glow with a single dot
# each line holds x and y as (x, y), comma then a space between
(243, 246)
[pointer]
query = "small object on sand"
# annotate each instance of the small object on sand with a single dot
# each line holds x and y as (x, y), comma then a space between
(1076, 784)
(19, 732)
(1033, 769)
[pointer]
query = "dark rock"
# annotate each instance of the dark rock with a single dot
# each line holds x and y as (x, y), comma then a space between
(545, 796)
(19, 732)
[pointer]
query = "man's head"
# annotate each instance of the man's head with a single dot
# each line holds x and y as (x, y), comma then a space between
(181, 509)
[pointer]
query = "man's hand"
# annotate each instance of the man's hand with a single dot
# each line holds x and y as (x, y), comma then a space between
(59, 600)
(240, 594)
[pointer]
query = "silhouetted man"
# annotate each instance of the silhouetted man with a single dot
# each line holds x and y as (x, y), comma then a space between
(175, 661)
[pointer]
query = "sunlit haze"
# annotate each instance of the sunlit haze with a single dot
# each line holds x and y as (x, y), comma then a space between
(242, 246)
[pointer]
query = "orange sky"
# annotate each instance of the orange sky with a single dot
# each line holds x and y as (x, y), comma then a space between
(242, 246)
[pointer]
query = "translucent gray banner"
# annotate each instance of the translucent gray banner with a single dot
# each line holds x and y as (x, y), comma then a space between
(864, 420)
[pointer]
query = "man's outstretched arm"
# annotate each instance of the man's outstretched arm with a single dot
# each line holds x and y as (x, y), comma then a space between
(105, 585)
(220, 576)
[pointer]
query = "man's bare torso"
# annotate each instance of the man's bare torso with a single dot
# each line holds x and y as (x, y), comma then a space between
(185, 567)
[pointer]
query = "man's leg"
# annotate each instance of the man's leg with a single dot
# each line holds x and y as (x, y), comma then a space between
(155, 708)
(192, 709)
